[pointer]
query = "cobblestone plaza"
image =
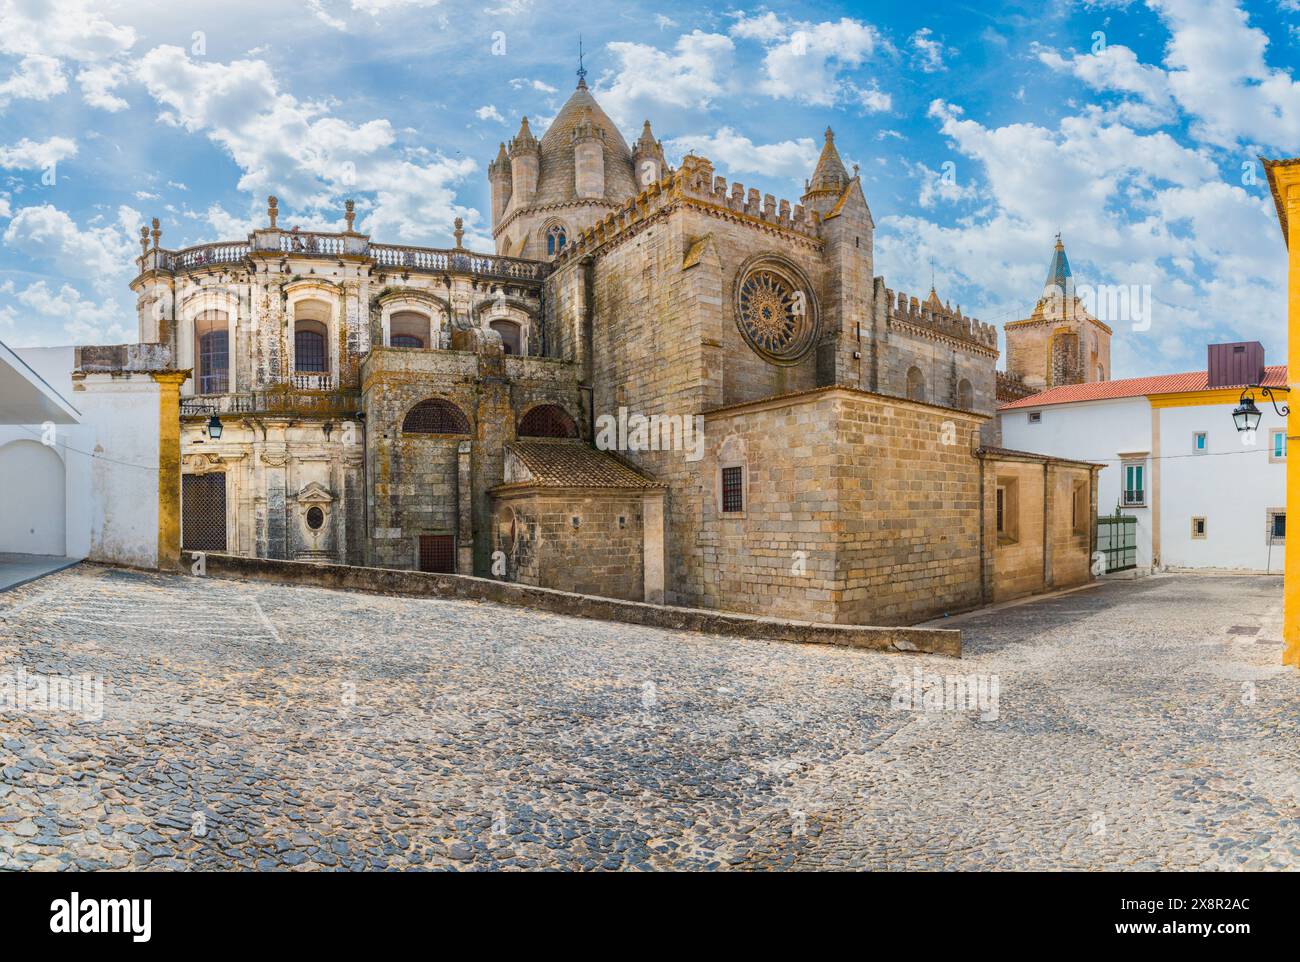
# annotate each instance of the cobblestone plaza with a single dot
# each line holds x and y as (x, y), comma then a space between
(1140, 724)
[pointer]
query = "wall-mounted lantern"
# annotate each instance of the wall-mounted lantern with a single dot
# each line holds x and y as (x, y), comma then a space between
(1246, 416)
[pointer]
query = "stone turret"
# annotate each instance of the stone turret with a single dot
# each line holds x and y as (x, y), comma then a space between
(502, 180)
(525, 166)
(588, 157)
(829, 179)
(648, 158)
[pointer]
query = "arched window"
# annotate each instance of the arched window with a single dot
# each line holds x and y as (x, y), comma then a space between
(965, 395)
(310, 336)
(409, 329)
(509, 332)
(556, 237)
(915, 384)
(547, 421)
(435, 416)
(213, 352)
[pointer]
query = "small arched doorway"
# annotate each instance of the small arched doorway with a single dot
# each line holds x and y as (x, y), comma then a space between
(32, 475)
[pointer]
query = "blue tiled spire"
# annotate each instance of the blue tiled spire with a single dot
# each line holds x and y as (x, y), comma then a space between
(1058, 275)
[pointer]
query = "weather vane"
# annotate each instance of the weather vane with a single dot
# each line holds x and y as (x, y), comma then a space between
(582, 71)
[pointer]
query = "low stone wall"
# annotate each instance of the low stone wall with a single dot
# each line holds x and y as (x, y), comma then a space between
(420, 584)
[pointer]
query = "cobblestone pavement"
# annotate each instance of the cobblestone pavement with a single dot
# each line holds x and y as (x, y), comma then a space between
(1138, 724)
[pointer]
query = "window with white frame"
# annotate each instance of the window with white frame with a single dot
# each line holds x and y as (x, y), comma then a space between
(1135, 486)
(1277, 445)
(1200, 442)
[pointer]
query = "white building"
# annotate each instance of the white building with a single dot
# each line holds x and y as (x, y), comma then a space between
(81, 459)
(1202, 494)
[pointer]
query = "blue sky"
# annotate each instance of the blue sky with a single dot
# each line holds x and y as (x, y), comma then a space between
(1130, 127)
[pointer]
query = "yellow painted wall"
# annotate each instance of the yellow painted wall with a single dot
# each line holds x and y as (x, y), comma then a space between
(1288, 181)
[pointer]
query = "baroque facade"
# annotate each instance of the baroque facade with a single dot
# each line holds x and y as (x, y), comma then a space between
(661, 386)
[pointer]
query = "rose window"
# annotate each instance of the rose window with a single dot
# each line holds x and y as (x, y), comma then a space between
(774, 311)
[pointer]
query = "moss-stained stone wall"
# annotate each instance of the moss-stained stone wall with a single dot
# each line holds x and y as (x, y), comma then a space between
(600, 555)
(413, 480)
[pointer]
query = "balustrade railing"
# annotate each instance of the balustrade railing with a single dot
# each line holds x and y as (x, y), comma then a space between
(390, 256)
(280, 399)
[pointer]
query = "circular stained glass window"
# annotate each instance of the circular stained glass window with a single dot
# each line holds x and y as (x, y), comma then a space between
(775, 312)
(315, 518)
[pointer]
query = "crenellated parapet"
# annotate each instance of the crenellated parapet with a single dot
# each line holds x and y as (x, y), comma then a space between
(932, 315)
(694, 185)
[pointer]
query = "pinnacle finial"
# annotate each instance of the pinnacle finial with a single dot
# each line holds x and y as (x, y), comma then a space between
(582, 71)
(1059, 245)
(830, 135)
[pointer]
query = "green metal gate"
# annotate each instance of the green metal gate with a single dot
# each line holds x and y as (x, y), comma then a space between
(1117, 540)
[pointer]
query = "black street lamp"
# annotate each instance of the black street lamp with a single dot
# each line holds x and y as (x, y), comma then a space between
(1246, 416)
(214, 427)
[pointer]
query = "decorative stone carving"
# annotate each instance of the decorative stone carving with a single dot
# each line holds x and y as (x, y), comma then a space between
(775, 310)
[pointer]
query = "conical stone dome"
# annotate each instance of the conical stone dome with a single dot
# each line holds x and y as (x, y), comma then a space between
(555, 183)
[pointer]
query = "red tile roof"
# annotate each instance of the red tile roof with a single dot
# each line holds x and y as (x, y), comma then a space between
(1134, 387)
(572, 464)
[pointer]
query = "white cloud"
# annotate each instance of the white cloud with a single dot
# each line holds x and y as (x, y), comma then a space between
(689, 77)
(1115, 68)
(5, 210)
(30, 155)
(376, 7)
(97, 85)
(928, 53)
(1218, 74)
(520, 82)
(873, 100)
(1136, 208)
(50, 237)
(1215, 70)
(64, 316)
(227, 226)
(66, 29)
(804, 61)
(296, 150)
(489, 112)
(37, 77)
(731, 151)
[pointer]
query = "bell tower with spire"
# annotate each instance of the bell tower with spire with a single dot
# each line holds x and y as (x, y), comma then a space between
(1060, 342)
(576, 174)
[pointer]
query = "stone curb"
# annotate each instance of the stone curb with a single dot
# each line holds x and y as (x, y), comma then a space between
(422, 584)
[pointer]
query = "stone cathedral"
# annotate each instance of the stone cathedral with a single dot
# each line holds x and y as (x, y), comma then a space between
(660, 386)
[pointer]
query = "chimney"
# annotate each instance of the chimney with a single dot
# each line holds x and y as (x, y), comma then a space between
(1235, 365)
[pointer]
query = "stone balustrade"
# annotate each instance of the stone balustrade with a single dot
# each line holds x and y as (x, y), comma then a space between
(389, 257)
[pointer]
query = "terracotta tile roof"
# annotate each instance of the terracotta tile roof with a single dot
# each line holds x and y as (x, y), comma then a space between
(1133, 387)
(573, 464)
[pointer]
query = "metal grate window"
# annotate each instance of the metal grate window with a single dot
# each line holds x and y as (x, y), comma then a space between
(547, 421)
(203, 512)
(435, 416)
(214, 362)
(309, 351)
(733, 496)
(438, 553)
(405, 340)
